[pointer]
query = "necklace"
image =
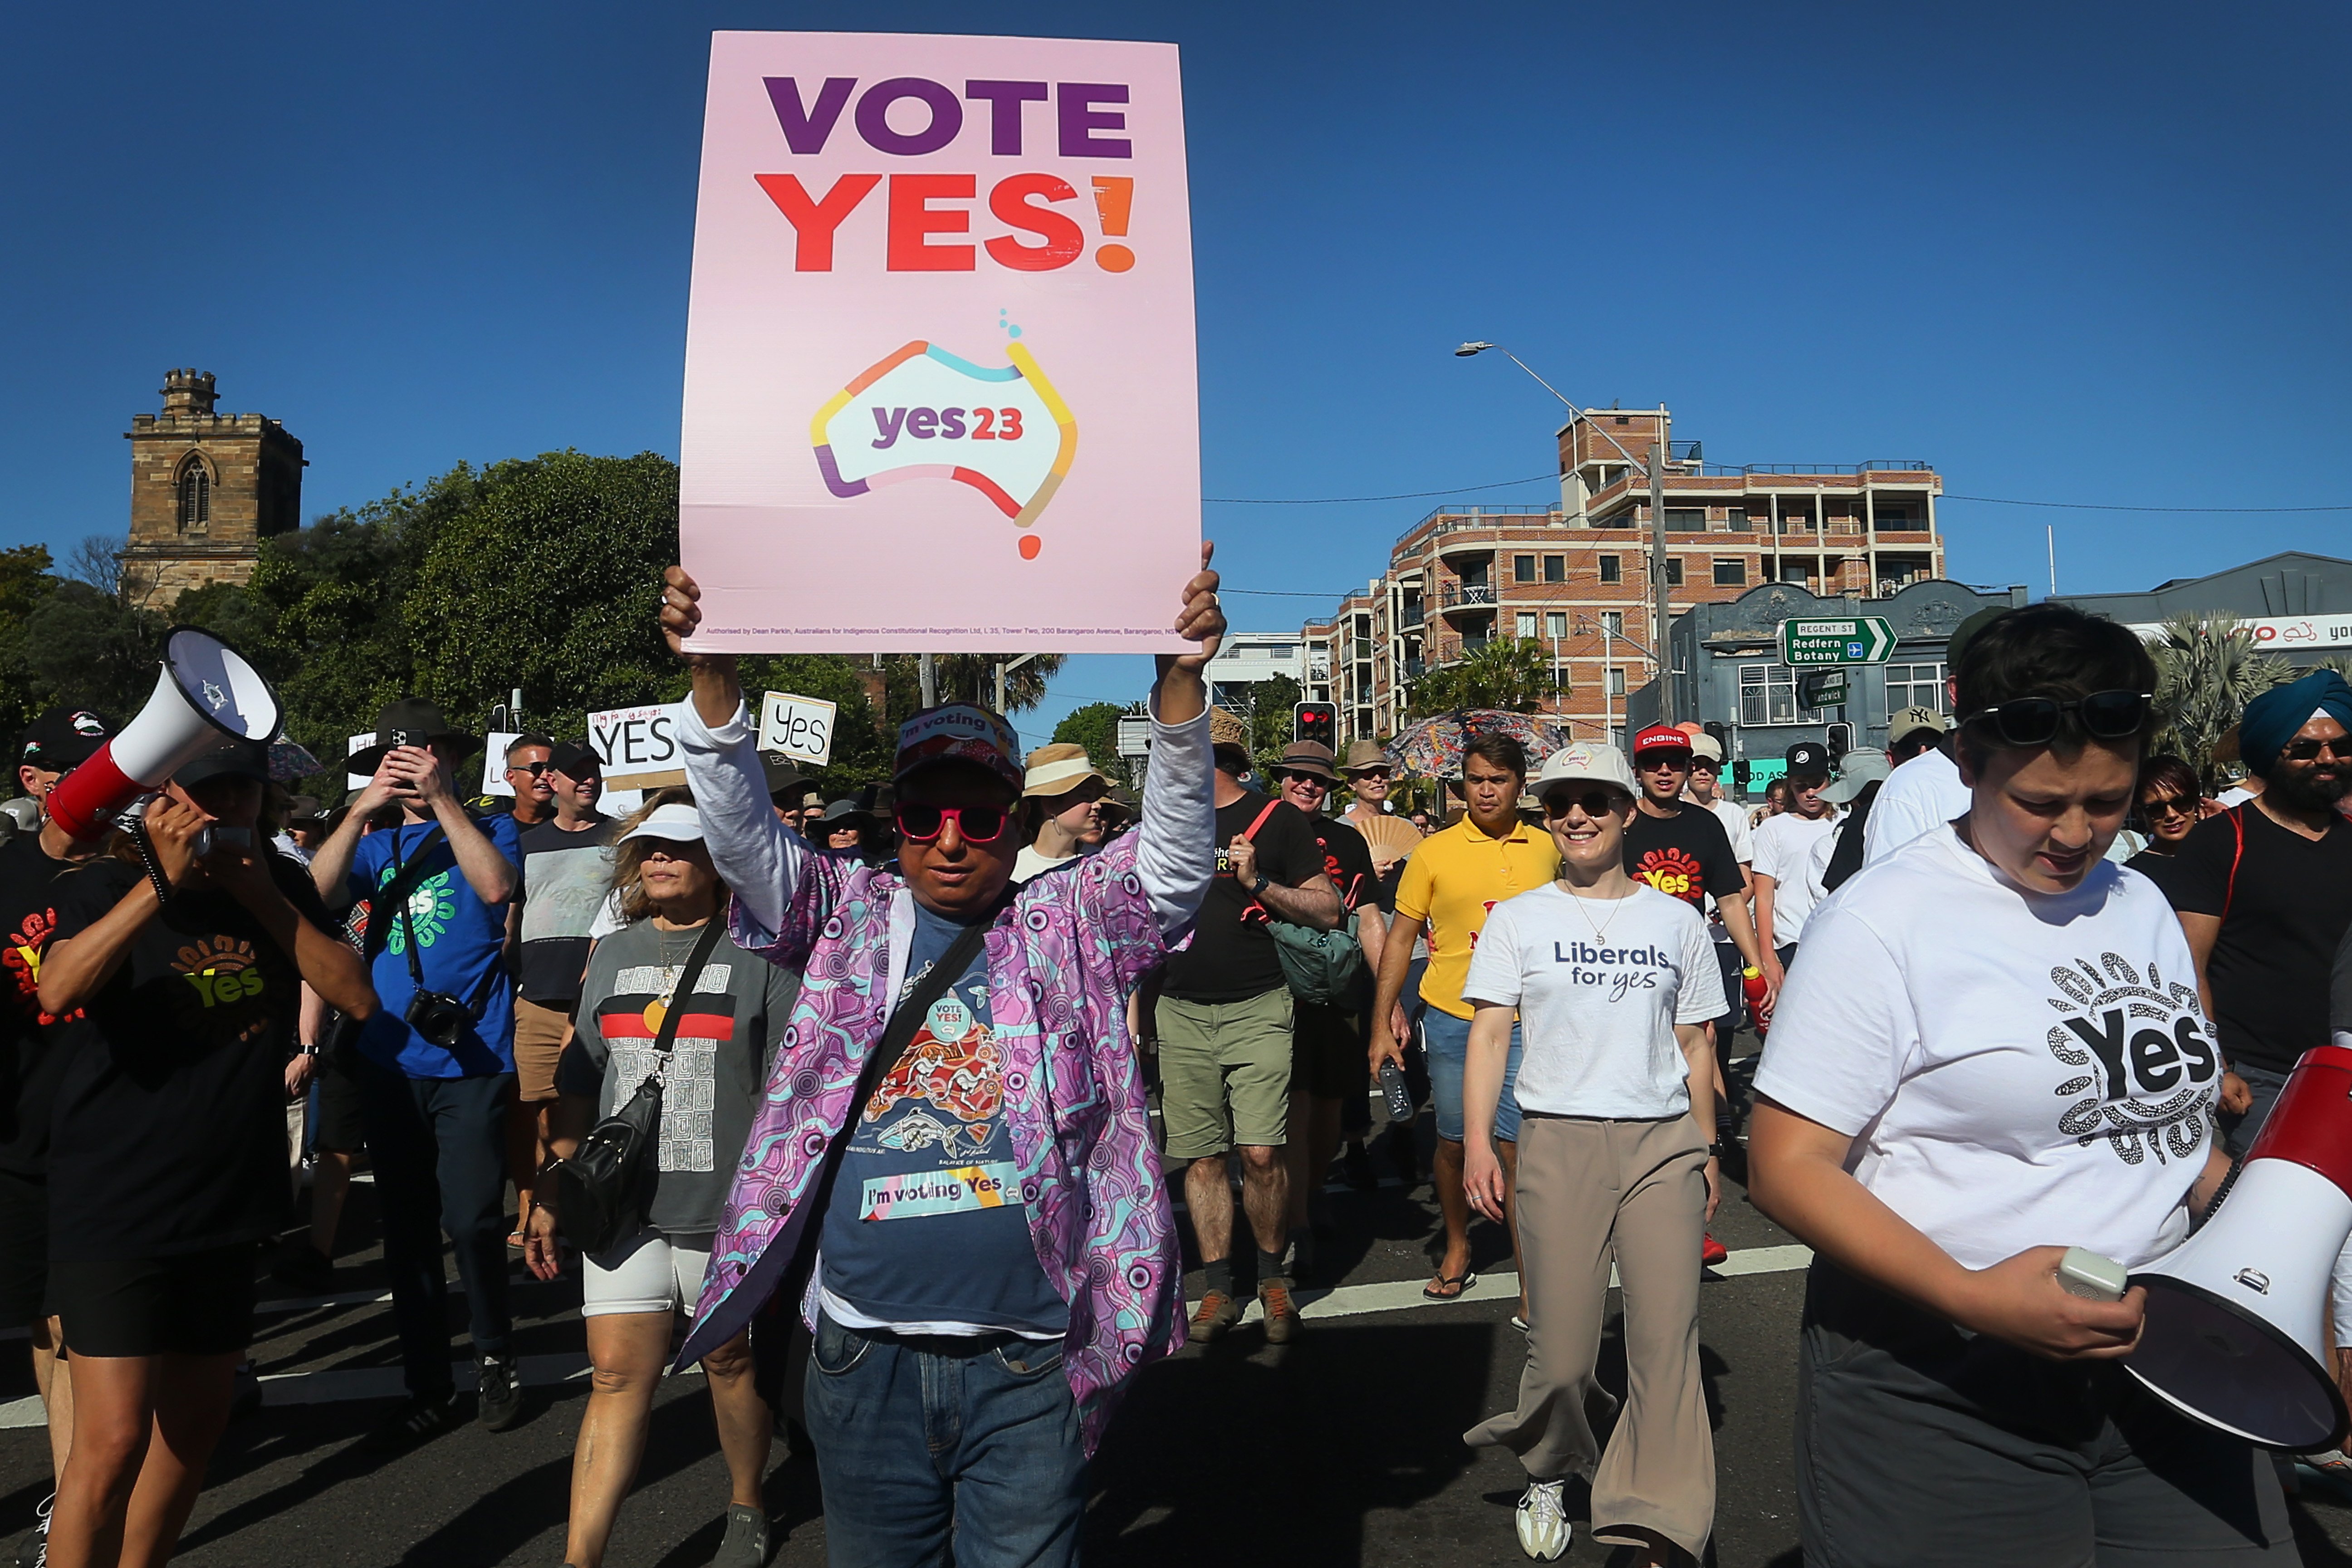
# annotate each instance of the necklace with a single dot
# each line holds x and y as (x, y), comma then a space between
(1599, 933)
(659, 1008)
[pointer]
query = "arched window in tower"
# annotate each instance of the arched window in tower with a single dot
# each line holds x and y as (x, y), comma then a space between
(195, 497)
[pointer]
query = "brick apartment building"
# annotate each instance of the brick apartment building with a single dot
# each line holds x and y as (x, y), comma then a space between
(1575, 579)
(205, 490)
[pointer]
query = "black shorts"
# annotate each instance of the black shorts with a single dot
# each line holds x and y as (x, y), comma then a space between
(1330, 1058)
(338, 1128)
(199, 1303)
(24, 1248)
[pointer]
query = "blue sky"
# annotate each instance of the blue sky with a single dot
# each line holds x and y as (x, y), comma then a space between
(2081, 254)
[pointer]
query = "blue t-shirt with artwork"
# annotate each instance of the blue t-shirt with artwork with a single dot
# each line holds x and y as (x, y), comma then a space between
(926, 1225)
(460, 943)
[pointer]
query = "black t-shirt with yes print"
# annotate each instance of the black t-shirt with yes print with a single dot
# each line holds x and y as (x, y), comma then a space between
(170, 1128)
(1231, 957)
(38, 1047)
(1687, 856)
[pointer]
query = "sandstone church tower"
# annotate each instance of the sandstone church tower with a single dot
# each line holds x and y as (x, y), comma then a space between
(205, 490)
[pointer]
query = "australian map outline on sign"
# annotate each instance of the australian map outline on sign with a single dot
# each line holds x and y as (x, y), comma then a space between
(919, 398)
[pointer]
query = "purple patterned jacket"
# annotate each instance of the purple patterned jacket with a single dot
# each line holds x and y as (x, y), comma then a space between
(1061, 961)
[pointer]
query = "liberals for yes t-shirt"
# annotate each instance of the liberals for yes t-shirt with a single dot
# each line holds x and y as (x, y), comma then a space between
(928, 1228)
(1600, 984)
(1232, 958)
(460, 942)
(2017, 1069)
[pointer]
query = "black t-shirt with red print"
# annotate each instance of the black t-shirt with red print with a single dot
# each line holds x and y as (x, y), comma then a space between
(1231, 957)
(169, 1133)
(1687, 856)
(1348, 861)
(36, 1045)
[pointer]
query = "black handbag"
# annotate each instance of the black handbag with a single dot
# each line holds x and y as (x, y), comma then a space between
(600, 1191)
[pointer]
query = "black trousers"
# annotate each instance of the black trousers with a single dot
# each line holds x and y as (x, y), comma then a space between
(439, 1152)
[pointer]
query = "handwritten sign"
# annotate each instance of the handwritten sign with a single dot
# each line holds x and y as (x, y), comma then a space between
(353, 746)
(637, 746)
(494, 763)
(799, 727)
(963, 266)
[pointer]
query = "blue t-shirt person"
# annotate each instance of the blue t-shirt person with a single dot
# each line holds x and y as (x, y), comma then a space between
(459, 944)
(926, 1226)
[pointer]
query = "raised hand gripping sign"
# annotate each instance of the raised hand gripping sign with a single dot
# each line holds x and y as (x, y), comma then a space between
(939, 382)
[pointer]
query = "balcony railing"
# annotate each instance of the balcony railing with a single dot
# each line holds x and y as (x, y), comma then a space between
(1457, 595)
(1415, 668)
(1409, 614)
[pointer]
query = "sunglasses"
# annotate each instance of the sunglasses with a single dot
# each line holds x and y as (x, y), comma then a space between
(2167, 806)
(536, 770)
(978, 824)
(2034, 720)
(1595, 804)
(1317, 780)
(2339, 747)
(1648, 761)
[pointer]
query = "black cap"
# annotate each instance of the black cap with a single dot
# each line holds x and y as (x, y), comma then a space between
(1807, 758)
(575, 761)
(63, 737)
(224, 759)
(783, 775)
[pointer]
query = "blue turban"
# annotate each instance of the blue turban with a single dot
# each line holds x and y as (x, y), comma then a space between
(2273, 717)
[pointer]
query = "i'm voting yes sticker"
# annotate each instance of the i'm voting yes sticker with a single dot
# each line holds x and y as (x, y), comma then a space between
(949, 1018)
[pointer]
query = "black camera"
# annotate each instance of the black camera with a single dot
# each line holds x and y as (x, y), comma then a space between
(440, 1017)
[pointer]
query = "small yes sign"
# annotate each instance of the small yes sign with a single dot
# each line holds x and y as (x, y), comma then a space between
(799, 727)
(637, 746)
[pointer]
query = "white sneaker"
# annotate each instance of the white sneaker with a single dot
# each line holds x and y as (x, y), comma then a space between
(1543, 1522)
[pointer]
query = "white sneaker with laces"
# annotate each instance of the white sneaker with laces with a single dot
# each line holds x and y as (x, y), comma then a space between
(1543, 1522)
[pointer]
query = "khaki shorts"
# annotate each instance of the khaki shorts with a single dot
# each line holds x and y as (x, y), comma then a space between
(540, 1034)
(1224, 1073)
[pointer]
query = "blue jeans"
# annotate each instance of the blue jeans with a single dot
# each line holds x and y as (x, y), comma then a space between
(927, 1442)
(1447, 1040)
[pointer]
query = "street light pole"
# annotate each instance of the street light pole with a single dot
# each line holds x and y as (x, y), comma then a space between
(1661, 614)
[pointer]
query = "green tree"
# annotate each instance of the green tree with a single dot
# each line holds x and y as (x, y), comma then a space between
(1273, 710)
(1508, 674)
(1096, 727)
(83, 649)
(2207, 670)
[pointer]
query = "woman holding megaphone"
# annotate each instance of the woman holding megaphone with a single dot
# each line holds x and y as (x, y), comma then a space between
(186, 948)
(1989, 1091)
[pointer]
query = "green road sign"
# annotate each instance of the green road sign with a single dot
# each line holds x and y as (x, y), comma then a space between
(1845, 639)
(1821, 688)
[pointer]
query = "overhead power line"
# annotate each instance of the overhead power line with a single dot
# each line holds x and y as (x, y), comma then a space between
(1988, 501)
(2099, 506)
(1348, 500)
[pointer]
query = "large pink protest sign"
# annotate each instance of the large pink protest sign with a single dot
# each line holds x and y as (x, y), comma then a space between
(940, 382)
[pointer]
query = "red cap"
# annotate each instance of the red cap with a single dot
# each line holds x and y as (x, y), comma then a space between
(1662, 738)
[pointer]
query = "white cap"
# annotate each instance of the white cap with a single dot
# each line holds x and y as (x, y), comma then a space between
(1587, 762)
(677, 823)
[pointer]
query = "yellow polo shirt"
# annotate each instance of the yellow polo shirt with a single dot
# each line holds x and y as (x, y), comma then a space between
(1456, 876)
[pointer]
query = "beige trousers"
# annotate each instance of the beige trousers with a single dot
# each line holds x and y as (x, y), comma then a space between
(1634, 1193)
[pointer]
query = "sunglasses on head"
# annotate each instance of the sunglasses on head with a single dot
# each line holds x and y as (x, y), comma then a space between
(2034, 720)
(978, 824)
(1596, 804)
(2339, 747)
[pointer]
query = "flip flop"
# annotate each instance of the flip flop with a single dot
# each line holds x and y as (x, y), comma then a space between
(1461, 1282)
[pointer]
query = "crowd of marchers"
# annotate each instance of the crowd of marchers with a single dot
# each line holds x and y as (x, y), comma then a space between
(880, 1110)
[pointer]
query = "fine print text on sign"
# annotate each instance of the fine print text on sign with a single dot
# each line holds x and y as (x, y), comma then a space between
(1850, 639)
(1821, 689)
(941, 315)
(799, 727)
(637, 746)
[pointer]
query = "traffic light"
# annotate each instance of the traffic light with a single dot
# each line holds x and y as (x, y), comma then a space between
(1841, 740)
(1741, 773)
(1317, 721)
(1722, 734)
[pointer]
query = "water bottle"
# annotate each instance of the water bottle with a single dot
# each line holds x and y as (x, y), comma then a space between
(1392, 1087)
(1751, 981)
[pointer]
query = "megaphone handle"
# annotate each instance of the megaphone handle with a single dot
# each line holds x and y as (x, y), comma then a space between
(2214, 1205)
(146, 848)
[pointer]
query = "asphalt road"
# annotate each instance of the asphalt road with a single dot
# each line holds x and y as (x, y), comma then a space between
(1342, 1447)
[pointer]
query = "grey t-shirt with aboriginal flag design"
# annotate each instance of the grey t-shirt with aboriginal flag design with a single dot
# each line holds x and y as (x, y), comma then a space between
(720, 1061)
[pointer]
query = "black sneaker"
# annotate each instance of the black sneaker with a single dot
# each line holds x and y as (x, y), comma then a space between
(501, 1404)
(247, 1400)
(423, 1418)
(746, 1543)
(32, 1552)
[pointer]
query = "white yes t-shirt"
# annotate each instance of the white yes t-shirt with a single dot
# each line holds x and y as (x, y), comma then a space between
(2016, 1069)
(1784, 845)
(1600, 984)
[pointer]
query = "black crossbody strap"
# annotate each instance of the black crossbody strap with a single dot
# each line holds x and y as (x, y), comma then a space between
(404, 877)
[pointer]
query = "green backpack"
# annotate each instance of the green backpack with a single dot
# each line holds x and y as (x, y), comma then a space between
(1324, 968)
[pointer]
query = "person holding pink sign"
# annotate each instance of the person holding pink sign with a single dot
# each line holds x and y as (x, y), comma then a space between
(956, 1112)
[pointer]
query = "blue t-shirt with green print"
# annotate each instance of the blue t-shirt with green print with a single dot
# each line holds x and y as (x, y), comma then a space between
(459, 941)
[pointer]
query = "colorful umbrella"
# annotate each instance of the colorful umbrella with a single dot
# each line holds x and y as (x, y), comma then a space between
(288, 762)
(1432, 748)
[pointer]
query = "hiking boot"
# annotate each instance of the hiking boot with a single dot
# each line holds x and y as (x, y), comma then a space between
(1281, 1312)
(425, 1417)
(499, 1405)
(746, 1544)
(1215, 1314)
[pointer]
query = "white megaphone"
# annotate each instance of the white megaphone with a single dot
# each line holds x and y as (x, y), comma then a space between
(206, 691)
(2236, 1333)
